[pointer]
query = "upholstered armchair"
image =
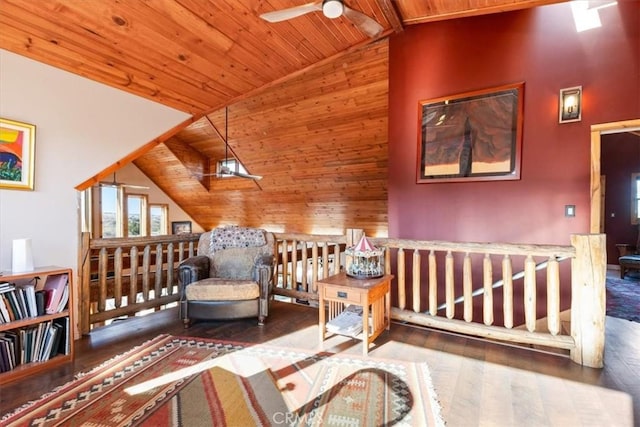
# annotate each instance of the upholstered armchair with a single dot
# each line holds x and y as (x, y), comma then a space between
(629, 256)
(231, 277)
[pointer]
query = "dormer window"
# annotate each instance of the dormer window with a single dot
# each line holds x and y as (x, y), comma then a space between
(229, 164)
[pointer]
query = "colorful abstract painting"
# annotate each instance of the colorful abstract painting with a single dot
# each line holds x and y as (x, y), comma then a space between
(17, 144)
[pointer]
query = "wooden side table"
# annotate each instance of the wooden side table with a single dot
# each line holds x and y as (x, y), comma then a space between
(373, 295)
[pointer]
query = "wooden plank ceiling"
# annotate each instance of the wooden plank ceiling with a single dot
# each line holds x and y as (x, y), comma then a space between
(306, 98)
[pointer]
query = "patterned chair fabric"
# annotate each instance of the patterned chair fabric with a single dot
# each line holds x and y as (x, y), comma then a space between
(231, 277)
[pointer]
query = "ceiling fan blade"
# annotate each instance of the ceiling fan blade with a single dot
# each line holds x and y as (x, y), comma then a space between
(119, 184)
(367, 24)
(246, 175)
(292, 12)
(138, 187)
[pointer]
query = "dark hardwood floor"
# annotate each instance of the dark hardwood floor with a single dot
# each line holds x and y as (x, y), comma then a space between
(477, 382)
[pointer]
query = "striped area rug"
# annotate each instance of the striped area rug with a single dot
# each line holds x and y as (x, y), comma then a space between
(183, 381)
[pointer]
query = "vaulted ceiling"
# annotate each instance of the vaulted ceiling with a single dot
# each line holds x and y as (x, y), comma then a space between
(306, 97)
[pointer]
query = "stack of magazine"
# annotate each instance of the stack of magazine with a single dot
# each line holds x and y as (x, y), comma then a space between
(349, 322)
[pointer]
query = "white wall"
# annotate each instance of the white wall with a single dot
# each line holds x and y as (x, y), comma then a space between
(81, 128)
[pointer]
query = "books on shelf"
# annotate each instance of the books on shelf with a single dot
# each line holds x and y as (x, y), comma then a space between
(37, 343)
(56, 289)
(23, 301)
(35, 321)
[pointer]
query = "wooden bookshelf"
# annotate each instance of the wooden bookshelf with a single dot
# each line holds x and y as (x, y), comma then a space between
(27, 369)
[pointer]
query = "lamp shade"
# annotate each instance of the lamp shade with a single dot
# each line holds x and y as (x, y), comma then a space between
(22, 257)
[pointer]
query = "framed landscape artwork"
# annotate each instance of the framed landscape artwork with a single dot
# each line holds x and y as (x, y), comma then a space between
(181, 227)
(17, 145)
(473, 136)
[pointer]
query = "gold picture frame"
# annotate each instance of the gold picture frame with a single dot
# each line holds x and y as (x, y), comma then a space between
(17, 152)
(473, 136)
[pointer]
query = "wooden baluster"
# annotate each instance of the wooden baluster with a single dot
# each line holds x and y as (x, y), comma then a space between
(507, 291)
(336, 259)
(103, 262)
(158, 279)
(170, 269)
(553, 296)
(117, 279)
(530, 293)
(294, 264)
(487, 305)
(467, 287)
(387, 261)
(433, 284)
(181, 250)
(325, 263)
(315, 270)
(285, 264)
(448, 283)
(133, 275)
(416, 281)
(304, 271)
(146, 264)
(402, 293)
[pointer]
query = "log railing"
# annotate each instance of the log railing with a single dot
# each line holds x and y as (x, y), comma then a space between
(519, 288)
(432, 278)
(124, 276)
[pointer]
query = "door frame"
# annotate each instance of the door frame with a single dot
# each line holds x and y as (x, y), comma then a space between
(596, 189)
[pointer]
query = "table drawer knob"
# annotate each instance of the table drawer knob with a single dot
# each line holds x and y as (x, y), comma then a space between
(342, 294)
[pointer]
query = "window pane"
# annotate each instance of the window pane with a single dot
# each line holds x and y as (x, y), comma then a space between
(231, 164)
(158, 218)
(134, 216)
(109, 203)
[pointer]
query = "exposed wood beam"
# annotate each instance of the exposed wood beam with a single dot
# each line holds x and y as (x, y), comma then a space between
(506, 6)
(135, 154)
(193, 161)
(391, 13)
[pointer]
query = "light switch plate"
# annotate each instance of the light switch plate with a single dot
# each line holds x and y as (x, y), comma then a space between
(569, 210)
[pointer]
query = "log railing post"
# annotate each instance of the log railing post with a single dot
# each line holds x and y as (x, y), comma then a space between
(467, 287)
(588, 275)
(487, 269)
(433, 284)
(402, 294)
(415, 290)
(507, 291)
(449, 291)
(84, 283)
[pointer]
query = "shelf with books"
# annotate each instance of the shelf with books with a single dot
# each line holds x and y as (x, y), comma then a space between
(36, 321)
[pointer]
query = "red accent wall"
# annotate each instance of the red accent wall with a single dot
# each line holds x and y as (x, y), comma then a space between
(540, 47)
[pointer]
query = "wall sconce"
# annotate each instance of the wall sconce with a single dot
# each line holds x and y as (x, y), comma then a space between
(570, 104)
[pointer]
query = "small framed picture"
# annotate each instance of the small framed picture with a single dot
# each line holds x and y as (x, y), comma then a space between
(181, 227)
